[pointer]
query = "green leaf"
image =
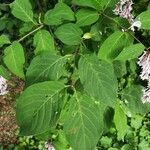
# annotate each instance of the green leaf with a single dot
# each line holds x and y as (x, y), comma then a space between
(87, 36)
(144, 19)
(127, 147)
(3, 23)
(133, 97)
(144, 145)
(114, 44)
(22, 10)
(136, 122)
(131, 52)
(4, 40)
(106, 141)
(25, 28)
(43, 41)
(39, 106)
(69, 34)
(60, 13)
(84, 124)
(96, 33)
(96, 4)
(120, 120)
(133, 66)
(108, 3)
(112, 148)
(86, 17)
(119, 68)
(4, 73)
(108, 118)
(61, 142)
(98, 79)
(46, 67)
(14, 59)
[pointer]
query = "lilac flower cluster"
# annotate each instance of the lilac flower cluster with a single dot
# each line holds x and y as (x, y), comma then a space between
(49, 146)
(124, 10)
(3, 86)
(144, 62)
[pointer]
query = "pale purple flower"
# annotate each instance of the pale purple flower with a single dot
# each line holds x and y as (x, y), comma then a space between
(48, 146)
(3, 86)
(146, 95)
(144, 62)
(123, 9)
(136, 24)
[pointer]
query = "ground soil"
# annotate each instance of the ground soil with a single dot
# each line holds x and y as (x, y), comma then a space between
(8, 123)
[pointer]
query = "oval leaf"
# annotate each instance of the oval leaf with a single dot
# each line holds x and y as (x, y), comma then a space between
(133, 97)
(144, 19)
(4, 73)
(96, 32)
(69, 34)
(14, 59)
(113, 45)
(84, 124)
(39, 106)
(43, 41)
(120, 120)
(108, 3)
(22, 10)
(119, 68)
(46, 67)
(98, 79)
(60, 13)
(130, 52)
(86, 17)
(4, 40)
(96, 4)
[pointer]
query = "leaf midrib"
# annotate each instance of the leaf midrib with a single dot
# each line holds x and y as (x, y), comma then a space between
(25, 12)
(49, 98)
(13, 57)
(87, 17)
(112, 47)
(59, 59)
(97, 74)
(81, 114)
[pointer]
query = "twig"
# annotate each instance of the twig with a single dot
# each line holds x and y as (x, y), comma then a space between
(4, 4)
(40, 27)
(122, 28)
